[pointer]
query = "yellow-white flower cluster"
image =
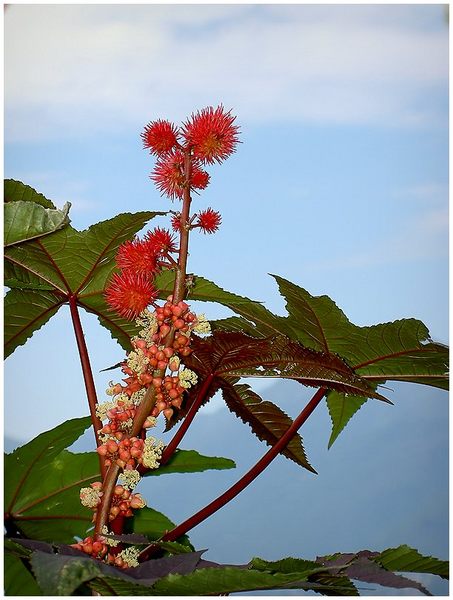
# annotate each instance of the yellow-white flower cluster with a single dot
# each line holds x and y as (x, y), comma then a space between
(202, 326)
(129, 478)
(108, 540)
(152, 452)
(187, 378)
(90, 497)
(130, 556)
(148, 321)
(137, 361)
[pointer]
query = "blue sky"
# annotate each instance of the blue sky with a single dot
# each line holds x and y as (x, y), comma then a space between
(340, 183)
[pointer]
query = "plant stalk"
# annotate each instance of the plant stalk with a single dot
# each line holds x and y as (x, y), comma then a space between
(147, 404)
(87, 373)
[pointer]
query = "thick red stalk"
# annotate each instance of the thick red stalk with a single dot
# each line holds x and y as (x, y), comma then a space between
(87, 372)
(242, 483)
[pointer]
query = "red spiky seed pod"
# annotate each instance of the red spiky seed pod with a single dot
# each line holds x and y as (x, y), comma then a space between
(168, 175)
(129, 294)
(209, 220)
(161, 240)
(211, 134)
(138, 256)
(160, 137)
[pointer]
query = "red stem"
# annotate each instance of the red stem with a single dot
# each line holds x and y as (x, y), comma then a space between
(87, 372)
(242, 483)
(174, 443)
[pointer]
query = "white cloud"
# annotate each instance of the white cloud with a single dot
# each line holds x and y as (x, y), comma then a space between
(73, 68)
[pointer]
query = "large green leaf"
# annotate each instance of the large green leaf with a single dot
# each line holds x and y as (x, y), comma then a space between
(26, 221)
(67, 263)
(399, 351)
(42, 482)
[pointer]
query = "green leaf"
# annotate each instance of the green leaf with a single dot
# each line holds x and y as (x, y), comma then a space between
(151, 523)
(268, 422)
(26, 311)
(400, 351)
(27, 220)
(225, 580)
(16, 191)
(406, 559)
(18, 580)
(42, 482)
(341, 409)
(59, 575)
(190, 461)
(71, 263)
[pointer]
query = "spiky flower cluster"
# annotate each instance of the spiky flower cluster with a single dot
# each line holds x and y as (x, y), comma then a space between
(209, 136)
(132, 289)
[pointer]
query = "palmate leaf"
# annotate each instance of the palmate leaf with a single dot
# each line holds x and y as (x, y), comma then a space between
(44, 273)
(399, 351)
(224, 357)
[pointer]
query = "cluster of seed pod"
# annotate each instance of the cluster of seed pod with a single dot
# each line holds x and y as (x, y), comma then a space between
(152, 354)
(126, 452)
(96, 549)
(101, 549)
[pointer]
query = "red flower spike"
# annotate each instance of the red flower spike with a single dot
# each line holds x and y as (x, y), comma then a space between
(137, 256)
(129, 293)
(161, 241)
(212, 134)
(168, 175)
(160, 137)
(209, 220)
